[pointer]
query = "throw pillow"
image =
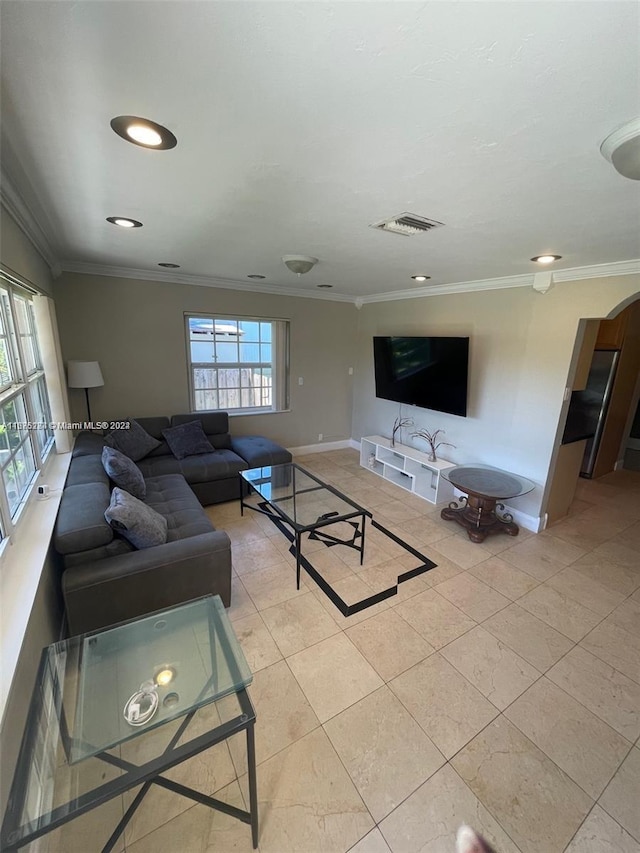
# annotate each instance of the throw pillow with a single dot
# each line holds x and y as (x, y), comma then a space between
(124, 472)
(134, 442)
(187, 440)
(137, 522)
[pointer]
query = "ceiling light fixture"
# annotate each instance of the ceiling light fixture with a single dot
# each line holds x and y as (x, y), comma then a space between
(256, 277)
(124, 222)
(299, 264)
(420, 277)
(143, 132)
(169, 266)
(546, 259)
(622, 149)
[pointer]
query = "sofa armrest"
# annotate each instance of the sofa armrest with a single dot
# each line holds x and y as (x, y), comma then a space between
(110, 590)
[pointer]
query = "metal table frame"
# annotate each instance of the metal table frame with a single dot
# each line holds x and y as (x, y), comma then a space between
(13, 836)
(315, 528)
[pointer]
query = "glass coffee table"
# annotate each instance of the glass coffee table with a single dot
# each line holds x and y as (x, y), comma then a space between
(484, 486)
(97, 692)
(305, 503)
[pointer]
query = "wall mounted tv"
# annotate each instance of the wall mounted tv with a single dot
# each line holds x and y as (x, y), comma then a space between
(427, 372)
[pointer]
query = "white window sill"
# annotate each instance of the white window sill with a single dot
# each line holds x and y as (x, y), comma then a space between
(21, 562)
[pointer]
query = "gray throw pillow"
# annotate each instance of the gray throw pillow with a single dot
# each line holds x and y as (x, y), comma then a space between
(137, 522)
(134, 442)
(187, 440)
(124, 472)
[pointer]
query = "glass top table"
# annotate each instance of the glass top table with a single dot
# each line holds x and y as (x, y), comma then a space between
(96, 692)
(484, 486)
(305, 503)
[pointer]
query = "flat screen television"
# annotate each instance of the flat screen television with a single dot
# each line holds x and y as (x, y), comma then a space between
(431, 373)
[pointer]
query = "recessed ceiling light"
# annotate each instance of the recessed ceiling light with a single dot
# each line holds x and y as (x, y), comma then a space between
(169, 266)
(124, 222)
(256, 277)
(143, 132)
(325, 286)
(546, 259)
(420, 277)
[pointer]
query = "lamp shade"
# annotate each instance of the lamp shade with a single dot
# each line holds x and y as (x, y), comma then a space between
(84, 374)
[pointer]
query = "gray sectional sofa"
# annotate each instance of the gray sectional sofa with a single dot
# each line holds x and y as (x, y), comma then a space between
(105, 580)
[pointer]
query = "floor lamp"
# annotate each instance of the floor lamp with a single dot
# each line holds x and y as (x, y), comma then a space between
(84, 374)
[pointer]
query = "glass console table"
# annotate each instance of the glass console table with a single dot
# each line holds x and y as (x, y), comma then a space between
(96, 692)
(484, 486)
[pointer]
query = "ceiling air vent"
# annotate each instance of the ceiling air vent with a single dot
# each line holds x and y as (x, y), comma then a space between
(407, 224)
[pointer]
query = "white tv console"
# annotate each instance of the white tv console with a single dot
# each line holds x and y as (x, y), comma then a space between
(408, 468)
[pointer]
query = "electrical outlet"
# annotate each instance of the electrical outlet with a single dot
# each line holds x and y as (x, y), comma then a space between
(319, 436)
(300, 380)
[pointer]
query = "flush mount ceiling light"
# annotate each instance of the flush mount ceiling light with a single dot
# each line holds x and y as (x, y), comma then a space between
(299, 264)
(256, 277)
(124, 222)
(420, 277)
(622, 149)
(546, 259)
(169, 266)
(143, 132)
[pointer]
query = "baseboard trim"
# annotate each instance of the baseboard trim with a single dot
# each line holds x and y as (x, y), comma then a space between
(321, 448)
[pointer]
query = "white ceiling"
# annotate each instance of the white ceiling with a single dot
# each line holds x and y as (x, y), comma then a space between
(301, 123)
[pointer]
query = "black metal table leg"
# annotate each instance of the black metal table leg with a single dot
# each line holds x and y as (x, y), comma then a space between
(253, 786)
(298, 544)
(364, 520)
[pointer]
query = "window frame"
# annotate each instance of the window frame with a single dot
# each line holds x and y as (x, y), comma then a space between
(279, 364)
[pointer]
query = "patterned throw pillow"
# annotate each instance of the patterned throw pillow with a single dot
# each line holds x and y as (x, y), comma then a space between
(187, 440)
(124, 472)
(134, 442)
(138, 523)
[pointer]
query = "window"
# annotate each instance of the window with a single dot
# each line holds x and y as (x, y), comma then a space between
(26, 436)
(237, 364)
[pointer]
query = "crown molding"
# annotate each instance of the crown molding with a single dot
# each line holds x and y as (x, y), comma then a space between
(631, 267)
(456, 287)
(20, 212)
(173, 277)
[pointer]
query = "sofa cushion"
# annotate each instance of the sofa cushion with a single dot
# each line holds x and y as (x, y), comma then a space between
(134, 442)
(88, 444)
(86, 469)
(81, 524)
(156, 466)
(154, 426)
(124, 472)
(259, 452)
(173, 499)
(187, 440)
(215, 465)
(138, 523)
(214, 424)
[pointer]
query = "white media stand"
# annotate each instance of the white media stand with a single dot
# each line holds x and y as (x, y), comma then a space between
(408, 468)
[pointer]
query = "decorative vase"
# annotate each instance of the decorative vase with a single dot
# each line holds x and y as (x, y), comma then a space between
(432, 456)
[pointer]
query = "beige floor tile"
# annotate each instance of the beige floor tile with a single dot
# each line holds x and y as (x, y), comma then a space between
(617, 553)
(622, 795)
(591, 594)
(446, 705)
(351, 590)
(561, 612)
(307, 801)
(445, 568)
(583, 532)
(472, 596)
(243, 531)
(256, 642)
(385, 751)
(298, 623)
(616, 647)
(428, 820)
(618, 578)
(535, 802)
(542, 556)
(254, 555)
(461, 551)
(386, 575)
(499, 674)
(603, 690)
(535, 641)
(389, 643)
(398, 511)
(97, 825)
(627, 616)
(424, 530)
(373, 842)
(601, 834)
(200, 830)
(631, 536)
(505, 578)
(333, 675)
(273, 585)
(241, 603)
(434, 618)
(581, 744)
(328, 563)
(283, 715)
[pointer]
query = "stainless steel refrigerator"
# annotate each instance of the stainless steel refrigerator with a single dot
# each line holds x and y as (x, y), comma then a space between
(597, 395)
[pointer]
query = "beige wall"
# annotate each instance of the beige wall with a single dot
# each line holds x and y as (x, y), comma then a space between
(19, 255)
(521, 358)
(135, 329)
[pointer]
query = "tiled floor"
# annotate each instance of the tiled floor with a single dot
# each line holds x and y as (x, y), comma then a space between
(501, 689)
